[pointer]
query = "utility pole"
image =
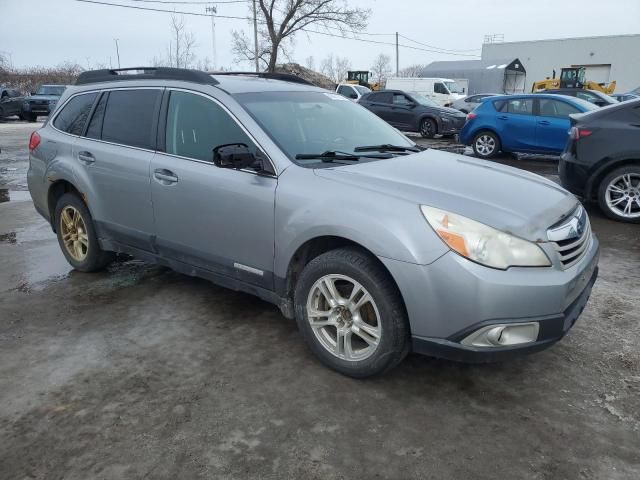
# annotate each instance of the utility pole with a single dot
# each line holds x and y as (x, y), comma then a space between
(117, 50)
(213, 11)
(397, 57)
(255, 36)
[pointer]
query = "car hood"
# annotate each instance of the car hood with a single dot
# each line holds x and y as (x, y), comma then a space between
(505, 198)
(447, 110)
(43, 97)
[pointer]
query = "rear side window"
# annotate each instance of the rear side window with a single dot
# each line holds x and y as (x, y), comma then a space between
(95, 124)
(196, 125)
(74, 114)
(520, 106)
(129, 117)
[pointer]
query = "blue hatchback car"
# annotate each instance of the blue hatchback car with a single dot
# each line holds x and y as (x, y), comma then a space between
(533, 123)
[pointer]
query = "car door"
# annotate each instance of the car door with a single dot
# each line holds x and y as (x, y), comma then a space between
(516, 124)
(113, 160)
(219, 219)
(381, 104)
(348, 91)
(403, 112)
(552, 124)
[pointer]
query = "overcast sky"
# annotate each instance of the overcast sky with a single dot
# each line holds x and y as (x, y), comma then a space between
(49, 32)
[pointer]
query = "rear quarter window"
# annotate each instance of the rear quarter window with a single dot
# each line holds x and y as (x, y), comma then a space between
(74, 114)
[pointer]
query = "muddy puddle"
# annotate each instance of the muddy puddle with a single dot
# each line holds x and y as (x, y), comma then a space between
(7, 195)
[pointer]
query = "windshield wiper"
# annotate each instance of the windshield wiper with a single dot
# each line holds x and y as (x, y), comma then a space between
(328, 156)
(385, 147)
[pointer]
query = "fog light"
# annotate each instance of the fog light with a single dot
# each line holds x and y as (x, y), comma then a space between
(503, 335)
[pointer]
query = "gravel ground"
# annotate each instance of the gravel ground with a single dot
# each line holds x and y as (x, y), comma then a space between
(139, 372)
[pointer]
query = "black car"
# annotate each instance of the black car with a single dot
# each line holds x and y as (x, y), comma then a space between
(413, 112)
(601, 161)
(42, 101)
(10, 102)
(597, 98)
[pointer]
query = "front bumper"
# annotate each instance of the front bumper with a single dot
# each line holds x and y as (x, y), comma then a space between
(449, 126)
(38, 108)
(451, 298)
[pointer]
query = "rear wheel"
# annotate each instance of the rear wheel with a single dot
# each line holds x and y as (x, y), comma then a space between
(350, 313)
(428, 128)
(31, 117)
(486, 145)
(77, 235)
(619, 194)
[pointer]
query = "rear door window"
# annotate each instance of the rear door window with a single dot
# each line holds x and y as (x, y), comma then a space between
(380, 98)
(74, 114)
(519, 106)
(95, 124)
(130, 116)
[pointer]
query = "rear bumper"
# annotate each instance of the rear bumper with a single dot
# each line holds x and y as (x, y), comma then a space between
(573, 176)
(552, 329)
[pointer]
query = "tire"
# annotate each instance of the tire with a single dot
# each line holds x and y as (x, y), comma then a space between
(388, 336)
(81, 249)
(619, 194)
(428, 128)
(486, 144)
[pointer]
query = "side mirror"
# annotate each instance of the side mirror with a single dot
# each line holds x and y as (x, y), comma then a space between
(412, 105)
(32, 93)
(353, 95)
(235, 155)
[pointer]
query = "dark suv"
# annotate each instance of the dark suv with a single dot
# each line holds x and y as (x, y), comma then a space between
(10, 102)
(597, 98)
(601, 161)
(412, 112)
(42, 102)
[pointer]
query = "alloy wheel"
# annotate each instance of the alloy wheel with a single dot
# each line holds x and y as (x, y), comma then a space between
(427, 128)
(485, 145)
(74, 233)
(344, 317)
(623, 195)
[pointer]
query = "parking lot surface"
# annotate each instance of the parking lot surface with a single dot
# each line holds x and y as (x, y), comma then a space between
(140, 372)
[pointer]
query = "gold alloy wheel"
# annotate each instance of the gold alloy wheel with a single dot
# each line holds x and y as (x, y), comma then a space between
(74, 233)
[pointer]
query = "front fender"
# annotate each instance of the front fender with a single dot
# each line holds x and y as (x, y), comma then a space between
(308, 207)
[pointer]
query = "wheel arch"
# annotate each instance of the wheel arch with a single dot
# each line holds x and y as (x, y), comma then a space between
(593, 184)
(56, 190)
(313, 248)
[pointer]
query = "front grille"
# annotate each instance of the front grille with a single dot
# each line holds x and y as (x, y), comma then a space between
(572, 238)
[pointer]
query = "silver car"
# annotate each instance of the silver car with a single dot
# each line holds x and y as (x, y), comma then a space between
(311, 202)
(468, 103)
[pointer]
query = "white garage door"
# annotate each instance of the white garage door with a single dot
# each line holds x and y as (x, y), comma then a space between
(597, 73)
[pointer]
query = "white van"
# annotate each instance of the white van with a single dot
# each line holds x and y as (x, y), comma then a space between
(443, 91)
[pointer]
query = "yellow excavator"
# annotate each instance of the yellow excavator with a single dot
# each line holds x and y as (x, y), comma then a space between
(361, 77)
(572, 77)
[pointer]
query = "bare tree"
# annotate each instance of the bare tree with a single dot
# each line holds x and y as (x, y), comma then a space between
(281, 20)
(180, 50)
(412, 70)
(335, 68)
(381, 68)
(310, 63)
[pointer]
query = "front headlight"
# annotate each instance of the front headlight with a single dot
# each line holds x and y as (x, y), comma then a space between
(483, 244)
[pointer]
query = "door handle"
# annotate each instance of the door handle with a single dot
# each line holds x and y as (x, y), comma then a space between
(165, 177)
(503, 117)
(86, 157)
(544, 122)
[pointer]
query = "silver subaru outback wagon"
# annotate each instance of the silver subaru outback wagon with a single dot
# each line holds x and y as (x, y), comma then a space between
(268, 185)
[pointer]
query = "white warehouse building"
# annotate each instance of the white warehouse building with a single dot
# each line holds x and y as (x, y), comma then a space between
(605, 59)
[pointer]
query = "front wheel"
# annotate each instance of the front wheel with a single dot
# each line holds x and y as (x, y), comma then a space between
(77, 235)
(428, 128)
(619, 194)
(350, 313)
(486, 145)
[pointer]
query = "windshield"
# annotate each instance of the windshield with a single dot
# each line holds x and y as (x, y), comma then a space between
(453, 87)
(422, 100)
(51, 90)
(316, 122)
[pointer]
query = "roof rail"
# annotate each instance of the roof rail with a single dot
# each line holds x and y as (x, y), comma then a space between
(285, 77)
(145, 73)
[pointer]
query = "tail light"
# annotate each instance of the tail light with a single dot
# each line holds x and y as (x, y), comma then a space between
(471, 116)
(577, 133)
(34, 141)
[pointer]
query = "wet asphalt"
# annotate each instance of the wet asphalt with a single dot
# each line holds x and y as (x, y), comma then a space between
(140, 372)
